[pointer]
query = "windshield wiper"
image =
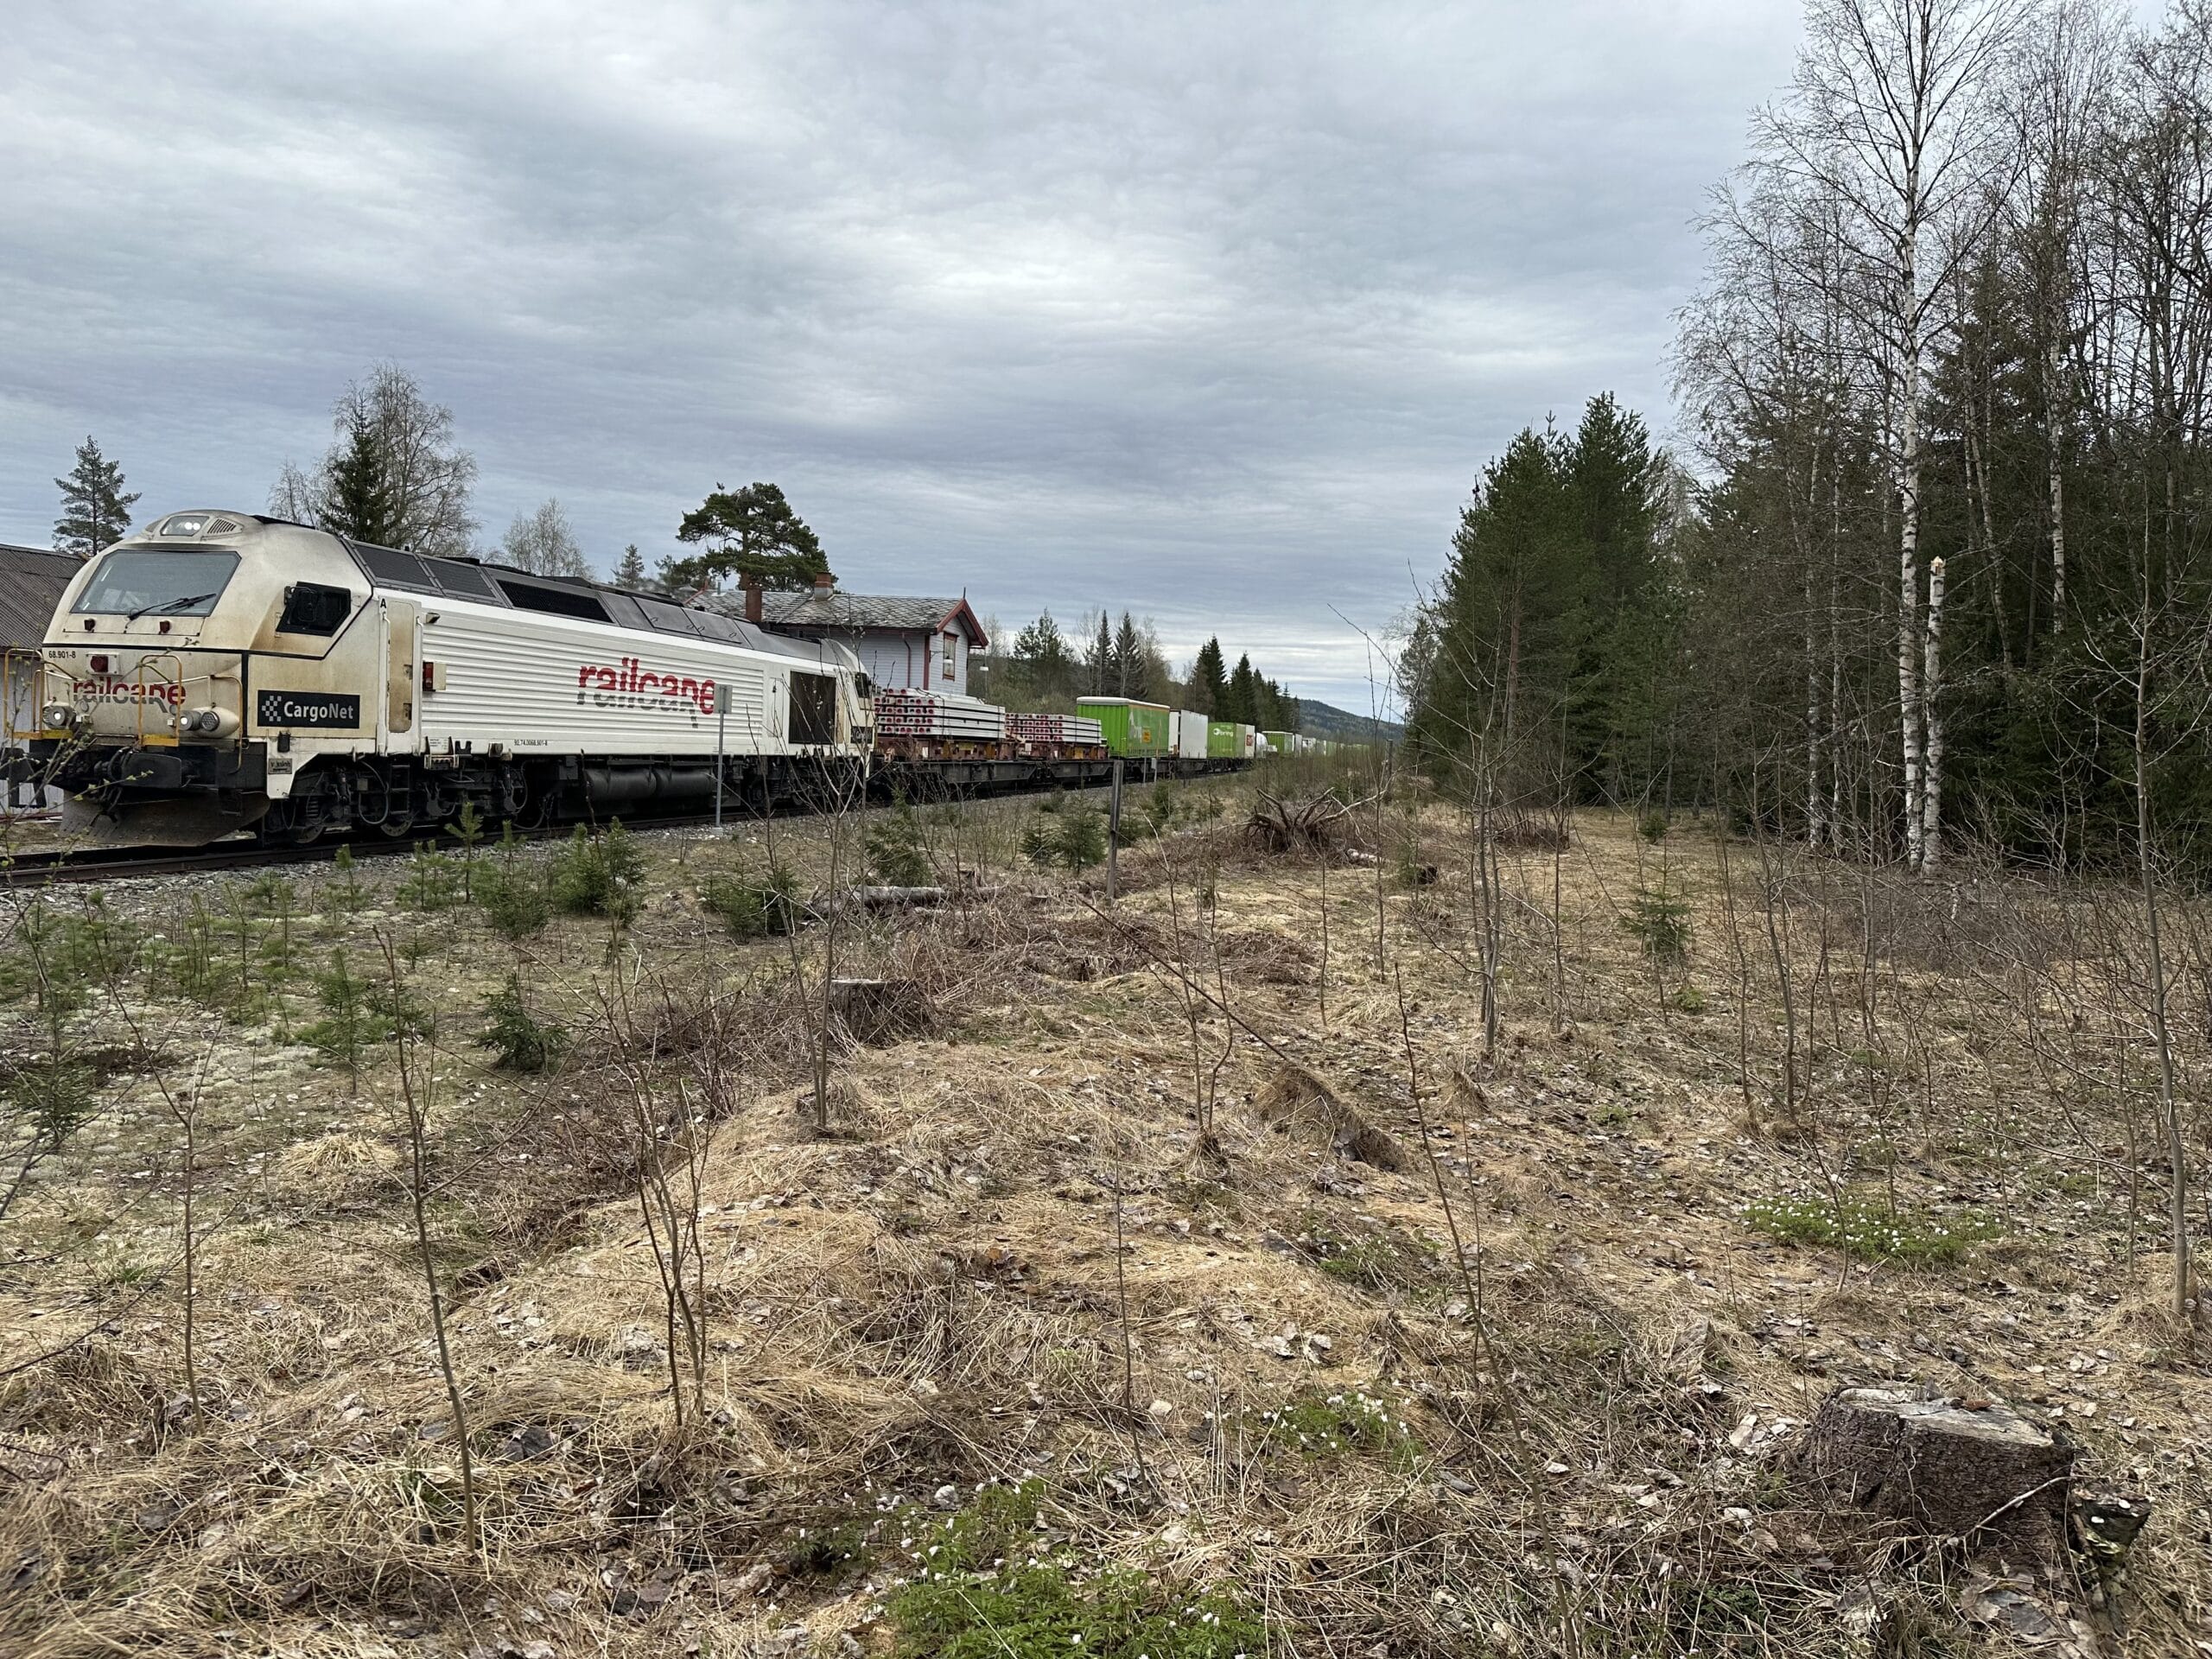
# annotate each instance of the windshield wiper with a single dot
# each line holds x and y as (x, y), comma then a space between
(168, 605)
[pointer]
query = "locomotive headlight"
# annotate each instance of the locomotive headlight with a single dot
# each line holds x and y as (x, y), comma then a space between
(209, 722)
(58, 716)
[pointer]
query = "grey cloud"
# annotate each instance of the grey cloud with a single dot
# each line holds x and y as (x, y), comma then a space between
(1211, 311)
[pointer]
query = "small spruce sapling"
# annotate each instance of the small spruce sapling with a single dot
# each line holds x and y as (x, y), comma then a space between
(467, 828)
(520, 1040)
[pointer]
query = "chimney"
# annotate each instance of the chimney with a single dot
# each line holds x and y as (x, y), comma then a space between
(824, 583)
(753, 613)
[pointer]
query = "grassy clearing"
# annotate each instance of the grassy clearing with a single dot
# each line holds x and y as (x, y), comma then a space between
(1093, 1317)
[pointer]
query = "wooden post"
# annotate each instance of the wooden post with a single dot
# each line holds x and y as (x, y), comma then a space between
(1113, 835)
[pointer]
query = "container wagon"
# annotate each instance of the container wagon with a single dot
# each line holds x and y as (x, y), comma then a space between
(1135, 731)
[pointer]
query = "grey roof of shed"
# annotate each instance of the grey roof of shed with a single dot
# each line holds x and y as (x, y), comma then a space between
(31, 581)
(814, 611)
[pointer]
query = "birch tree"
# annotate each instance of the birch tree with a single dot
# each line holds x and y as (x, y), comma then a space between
(1888, 118)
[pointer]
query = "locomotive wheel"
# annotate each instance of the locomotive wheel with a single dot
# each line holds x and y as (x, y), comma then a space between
(397, 826)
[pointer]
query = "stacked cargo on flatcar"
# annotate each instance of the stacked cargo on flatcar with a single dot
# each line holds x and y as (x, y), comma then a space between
(1061, 737)
(928, 725)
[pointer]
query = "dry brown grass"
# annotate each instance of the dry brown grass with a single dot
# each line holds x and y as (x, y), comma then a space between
(1005, 1261)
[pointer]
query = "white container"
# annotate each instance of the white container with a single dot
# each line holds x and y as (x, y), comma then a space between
(1190, 735)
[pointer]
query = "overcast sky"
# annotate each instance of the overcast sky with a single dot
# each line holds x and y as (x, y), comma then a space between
(1211, 311)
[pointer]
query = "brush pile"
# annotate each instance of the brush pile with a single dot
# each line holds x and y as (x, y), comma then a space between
(1321, 824)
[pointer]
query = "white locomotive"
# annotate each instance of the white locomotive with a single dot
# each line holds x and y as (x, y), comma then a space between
(220, 671)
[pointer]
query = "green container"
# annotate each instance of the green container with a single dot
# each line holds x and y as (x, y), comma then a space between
(1222, 741)
(1139, 731)
(1277, 741)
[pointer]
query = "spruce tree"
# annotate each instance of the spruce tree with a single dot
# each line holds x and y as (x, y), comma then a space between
(1099, 660)
(1131, 675)
(630, 569)
(357, 500)
(1241, 700)
(94, 508)
(1209, 683)
(1043, 663)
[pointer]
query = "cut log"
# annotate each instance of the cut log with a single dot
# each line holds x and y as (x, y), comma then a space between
(887, 898)
(879, 1010)
(899, 898)
(1983, 1473)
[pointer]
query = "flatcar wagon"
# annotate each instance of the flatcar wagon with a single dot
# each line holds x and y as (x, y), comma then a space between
(220, 671)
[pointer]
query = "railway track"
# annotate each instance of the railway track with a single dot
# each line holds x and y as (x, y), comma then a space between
(74, 867)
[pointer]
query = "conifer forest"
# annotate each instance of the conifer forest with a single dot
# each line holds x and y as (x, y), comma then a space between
(1928, 567)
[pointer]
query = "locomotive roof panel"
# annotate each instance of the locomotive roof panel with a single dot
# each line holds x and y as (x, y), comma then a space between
(477, 581)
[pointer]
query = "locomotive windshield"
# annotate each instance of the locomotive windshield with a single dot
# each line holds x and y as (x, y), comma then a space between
(158, 581)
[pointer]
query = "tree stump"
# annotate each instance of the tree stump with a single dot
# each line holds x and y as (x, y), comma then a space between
(879, 1010)
(1977, 1471)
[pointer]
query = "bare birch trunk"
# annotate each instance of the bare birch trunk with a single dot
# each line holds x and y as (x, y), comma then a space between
(1909, 642)
(2052, 370)
(1931, 688)
(2161, 1030)
(1814, 801)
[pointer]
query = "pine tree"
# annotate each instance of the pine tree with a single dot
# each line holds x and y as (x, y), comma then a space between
(751, 534)
(630, 569)
(94, 508)
(1509, 616)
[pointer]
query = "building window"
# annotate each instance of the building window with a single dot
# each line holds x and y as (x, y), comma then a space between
(950, 646)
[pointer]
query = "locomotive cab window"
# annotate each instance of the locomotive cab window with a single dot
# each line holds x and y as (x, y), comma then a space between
(814, 708)
(313, 607)
(158, 581)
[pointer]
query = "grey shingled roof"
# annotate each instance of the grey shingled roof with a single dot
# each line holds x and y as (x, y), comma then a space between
(31, 581)
(836, 612)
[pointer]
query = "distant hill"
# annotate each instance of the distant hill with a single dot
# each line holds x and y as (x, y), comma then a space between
(1325, 720)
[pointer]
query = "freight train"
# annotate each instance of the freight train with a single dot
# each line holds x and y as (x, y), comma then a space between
(222, 672)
